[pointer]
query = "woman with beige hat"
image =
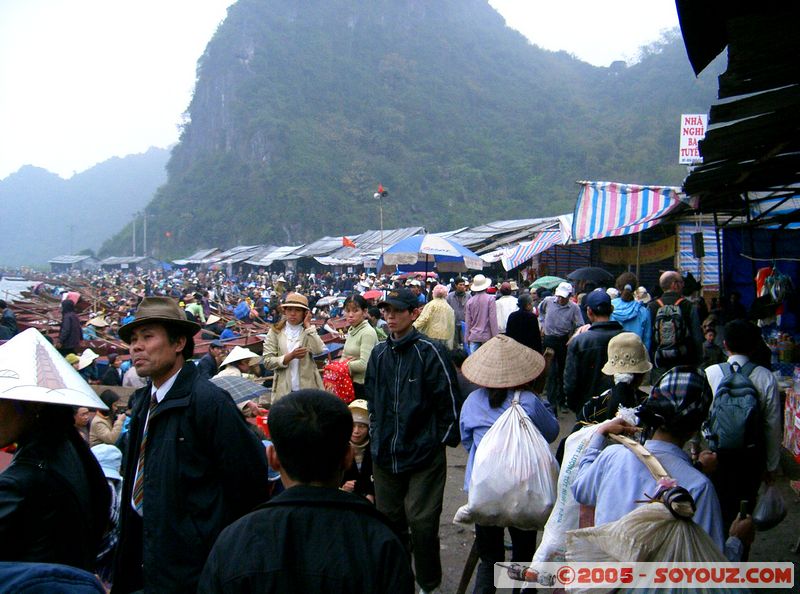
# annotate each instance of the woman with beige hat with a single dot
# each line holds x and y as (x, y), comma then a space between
(629, 363)
(504, 368)
(289, 349)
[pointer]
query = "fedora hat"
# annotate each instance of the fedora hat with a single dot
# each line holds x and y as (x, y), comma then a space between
(296, 300)
(158, 310)
(480, 283)
(626, 354)
(32, 370)
(502, 362)
(240, 354)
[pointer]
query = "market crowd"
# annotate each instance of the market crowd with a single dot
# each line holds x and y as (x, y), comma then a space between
(285, 469)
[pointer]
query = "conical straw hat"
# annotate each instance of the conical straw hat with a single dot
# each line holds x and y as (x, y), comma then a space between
(240, 354)
(502, 362)
(32, 370)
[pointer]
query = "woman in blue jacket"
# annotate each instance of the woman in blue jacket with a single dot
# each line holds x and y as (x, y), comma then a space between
(632, 314)
(503, 367)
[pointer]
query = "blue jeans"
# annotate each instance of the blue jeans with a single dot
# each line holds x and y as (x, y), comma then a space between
(474, 346)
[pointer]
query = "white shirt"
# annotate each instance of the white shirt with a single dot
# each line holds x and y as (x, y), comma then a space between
(504, 307)
(160, 394)
(294, 340)
(768, 400)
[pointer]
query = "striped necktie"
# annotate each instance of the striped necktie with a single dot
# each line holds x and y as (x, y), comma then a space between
(138, 485)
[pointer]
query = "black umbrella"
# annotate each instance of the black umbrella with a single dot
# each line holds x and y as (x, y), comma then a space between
(599, 276)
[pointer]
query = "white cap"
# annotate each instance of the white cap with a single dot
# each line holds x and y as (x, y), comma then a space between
(563, 290)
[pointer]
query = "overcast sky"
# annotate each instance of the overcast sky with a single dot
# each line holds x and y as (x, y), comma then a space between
(85, 80)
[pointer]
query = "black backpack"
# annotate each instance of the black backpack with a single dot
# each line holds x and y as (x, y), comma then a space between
(735, 421)
(670, 332)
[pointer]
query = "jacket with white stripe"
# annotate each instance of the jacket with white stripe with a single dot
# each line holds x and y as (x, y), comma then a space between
(414, 401)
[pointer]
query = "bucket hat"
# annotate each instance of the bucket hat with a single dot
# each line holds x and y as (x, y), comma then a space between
(32, 370)
(502, 362)
(296, 300)
(626, 354)
(240, 354)
(480, 283)
(160, 310)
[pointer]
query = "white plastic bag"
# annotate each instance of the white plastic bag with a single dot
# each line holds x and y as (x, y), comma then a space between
(770, 509)
(566, 512)
(513, 480)
(648, 533)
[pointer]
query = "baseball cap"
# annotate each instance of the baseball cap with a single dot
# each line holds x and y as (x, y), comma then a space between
(599, 301)
(400, 299)
(563, 290)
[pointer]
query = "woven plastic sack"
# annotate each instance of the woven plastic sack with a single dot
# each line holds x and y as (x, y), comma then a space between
(566, 512)
(336, 380)
(770, 509)
(513, 480)
(648, 533)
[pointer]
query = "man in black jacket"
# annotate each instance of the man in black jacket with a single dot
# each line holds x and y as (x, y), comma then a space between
(587, 352)
(208, 365)
(414, 402)
(193, 466)
(312, 538)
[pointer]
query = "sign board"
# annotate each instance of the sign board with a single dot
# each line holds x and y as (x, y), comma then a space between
(693, 130)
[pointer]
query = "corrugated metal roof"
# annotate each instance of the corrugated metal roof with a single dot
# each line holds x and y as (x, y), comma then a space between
(69, 259)
(114, 260)
(268, 256)
(240, 255)
(484, 238)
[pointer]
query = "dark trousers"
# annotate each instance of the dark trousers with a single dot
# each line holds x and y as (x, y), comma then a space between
(413, 500)
(737, 478)
(358, 390)
(555, 375)
(491, 550)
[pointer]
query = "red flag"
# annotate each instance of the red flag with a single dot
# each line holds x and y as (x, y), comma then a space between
(380, 188)
(347, 242)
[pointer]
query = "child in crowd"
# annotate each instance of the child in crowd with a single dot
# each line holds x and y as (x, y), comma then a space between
(358, 478)
(712, 353)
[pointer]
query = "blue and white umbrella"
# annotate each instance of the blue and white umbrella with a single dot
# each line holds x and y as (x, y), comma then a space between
(429, 251)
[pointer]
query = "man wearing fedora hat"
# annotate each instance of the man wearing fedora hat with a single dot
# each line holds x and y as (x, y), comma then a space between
(193, 465)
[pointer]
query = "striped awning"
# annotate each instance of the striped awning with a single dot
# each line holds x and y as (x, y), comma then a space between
(610, 209)
(513, 257)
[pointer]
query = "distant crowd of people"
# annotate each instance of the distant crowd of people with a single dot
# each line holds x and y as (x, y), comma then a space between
(177, 490)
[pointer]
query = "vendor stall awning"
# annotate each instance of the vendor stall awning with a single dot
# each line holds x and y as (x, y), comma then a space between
(610, 209)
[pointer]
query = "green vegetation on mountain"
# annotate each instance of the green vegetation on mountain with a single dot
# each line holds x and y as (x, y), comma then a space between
(302, 108)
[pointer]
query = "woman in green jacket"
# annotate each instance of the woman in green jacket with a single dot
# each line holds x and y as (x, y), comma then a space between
(361, 339)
